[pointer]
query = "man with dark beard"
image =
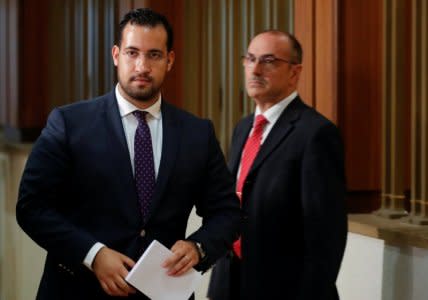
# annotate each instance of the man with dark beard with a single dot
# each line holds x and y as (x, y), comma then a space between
(110, 175)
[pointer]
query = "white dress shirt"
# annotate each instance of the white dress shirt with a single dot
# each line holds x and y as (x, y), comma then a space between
(130, 123)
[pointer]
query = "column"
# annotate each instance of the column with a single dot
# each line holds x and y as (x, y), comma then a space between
(419, 123)
(393, 107)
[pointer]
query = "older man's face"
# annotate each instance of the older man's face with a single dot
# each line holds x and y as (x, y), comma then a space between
(270, 75)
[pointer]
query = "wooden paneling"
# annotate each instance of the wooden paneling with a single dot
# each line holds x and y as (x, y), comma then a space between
(360, 82)
(304, 16)
(342, 79)
(192, 57)
(124, 6)
(315, 26)
(9, 29)
(3, 61)
(326, 62)
(362, 201)
(174, 12)
(217, 34)
(33, 59)
(57, 52)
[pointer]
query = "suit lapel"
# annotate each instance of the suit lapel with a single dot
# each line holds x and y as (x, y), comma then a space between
(279, 132)
(120, 158)
(170, 144)
(115, 127)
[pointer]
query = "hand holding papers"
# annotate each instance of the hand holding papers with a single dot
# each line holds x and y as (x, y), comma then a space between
(150, 278)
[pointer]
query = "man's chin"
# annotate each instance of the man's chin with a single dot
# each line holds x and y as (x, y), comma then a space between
(253, 93)
(142, 96)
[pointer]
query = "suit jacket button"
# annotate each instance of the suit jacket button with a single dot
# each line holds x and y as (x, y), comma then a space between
(143, 233)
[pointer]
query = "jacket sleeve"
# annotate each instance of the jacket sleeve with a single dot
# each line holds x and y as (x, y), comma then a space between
(218, 205)
(41, 202)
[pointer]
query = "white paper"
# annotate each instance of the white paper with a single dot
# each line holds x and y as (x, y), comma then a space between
(150, 278)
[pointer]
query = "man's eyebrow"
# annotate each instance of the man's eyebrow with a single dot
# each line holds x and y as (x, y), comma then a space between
(137, 49)
(132, 48)
(155, 50)
(263, 55)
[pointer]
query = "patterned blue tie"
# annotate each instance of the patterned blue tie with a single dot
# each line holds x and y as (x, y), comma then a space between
(143, 163)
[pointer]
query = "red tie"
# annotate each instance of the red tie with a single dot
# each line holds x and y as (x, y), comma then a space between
(249, 153)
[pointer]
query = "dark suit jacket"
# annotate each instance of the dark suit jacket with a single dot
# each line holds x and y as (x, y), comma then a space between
(78, 188)
(295, 225)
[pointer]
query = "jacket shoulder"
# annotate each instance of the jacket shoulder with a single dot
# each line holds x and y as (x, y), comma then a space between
(184, 116)
(89, 105)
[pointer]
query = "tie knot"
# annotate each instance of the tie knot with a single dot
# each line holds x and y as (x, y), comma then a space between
(140, 115)
(260, 121)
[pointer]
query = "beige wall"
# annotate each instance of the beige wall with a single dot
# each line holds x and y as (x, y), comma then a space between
(21, 259)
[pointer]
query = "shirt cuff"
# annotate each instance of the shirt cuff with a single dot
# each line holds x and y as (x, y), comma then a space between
(89, 259)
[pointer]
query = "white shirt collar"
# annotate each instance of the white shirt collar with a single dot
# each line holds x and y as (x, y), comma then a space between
(273, 113)
(126, 107)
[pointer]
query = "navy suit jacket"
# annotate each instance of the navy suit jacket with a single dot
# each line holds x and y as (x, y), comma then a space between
(293, 202)
(78, 189)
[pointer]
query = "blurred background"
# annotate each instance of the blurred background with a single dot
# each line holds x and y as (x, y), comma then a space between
(365, 67)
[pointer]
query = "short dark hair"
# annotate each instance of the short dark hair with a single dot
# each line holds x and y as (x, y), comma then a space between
(146, 17)
(296, 47)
